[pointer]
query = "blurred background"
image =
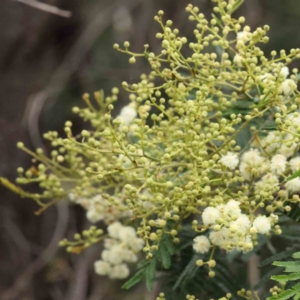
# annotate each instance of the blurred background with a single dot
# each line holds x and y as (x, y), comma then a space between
(46, 63)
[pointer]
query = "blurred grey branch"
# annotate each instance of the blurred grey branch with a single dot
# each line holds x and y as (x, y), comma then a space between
(25, 277)
(47, 8)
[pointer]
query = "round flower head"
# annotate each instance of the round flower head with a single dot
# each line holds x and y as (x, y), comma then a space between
(129, 256)
(294, 120)
(242, 36)
(238, 60)
(242, 223)
(285, 149)
(115, 255)
(127, 234)
(73, 197)
(102, 267)
(114, 230)
(267, 183)
(293, 185)
(247, 244)
(285, 71)
(94, 216)
(278, 164)
(137, 244)
(219, 238)
(271, 142)
(288, 86)
(230, 160)
(128, 114)
(262, 224)
(108, 243)
(252, 157)
(232, 208)
(295, 164)
(201, 244)
(251, 163)
(210, 215)
(119, 272)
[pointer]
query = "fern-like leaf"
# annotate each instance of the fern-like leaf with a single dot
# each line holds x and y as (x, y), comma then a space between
(283, 296)
(134, 279)
(188, 273)
(296, 255)
(284, 278)
(292, 267)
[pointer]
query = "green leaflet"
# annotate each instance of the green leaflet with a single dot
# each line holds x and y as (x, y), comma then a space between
(292, 267)
(147, 271)
(219, 22)
(236, 6)
(164, 256)
(293, 292)
(294, 214)
(286, 263)
(165, 251)
(283, 296)
(294, 175)
(150, 273)
(296, 288)
(295, 268)
(168, 243)
(188, 273)
(134, 279)
(293, 276)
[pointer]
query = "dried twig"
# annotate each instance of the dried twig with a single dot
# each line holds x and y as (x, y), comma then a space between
(47, 8)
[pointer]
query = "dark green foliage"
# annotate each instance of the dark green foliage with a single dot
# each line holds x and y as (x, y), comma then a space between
(281, 255)
(266, 278)
(292, 267)
(236, 5)
(185, 277)
(161, 259)
(294, 175)
(294, 214)
(164, 252)
(188, 272)
(291, 232)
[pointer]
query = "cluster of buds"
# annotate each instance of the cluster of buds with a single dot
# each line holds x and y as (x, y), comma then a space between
(176, 150)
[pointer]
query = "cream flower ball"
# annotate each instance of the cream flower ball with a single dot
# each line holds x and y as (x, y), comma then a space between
(210, 215)
(230, 160)
(262, 224)
(201, 244)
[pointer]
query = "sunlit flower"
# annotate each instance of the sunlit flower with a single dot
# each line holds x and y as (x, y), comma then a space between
(262, 224)
(102, 267)
(230, 160)
(201, 244)
(293, 185)
(128, 114)
(238, 60)
(210, 215)
(285, 71)
(278, 164)
(119, 272)
(295, 164)
(288, 86)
